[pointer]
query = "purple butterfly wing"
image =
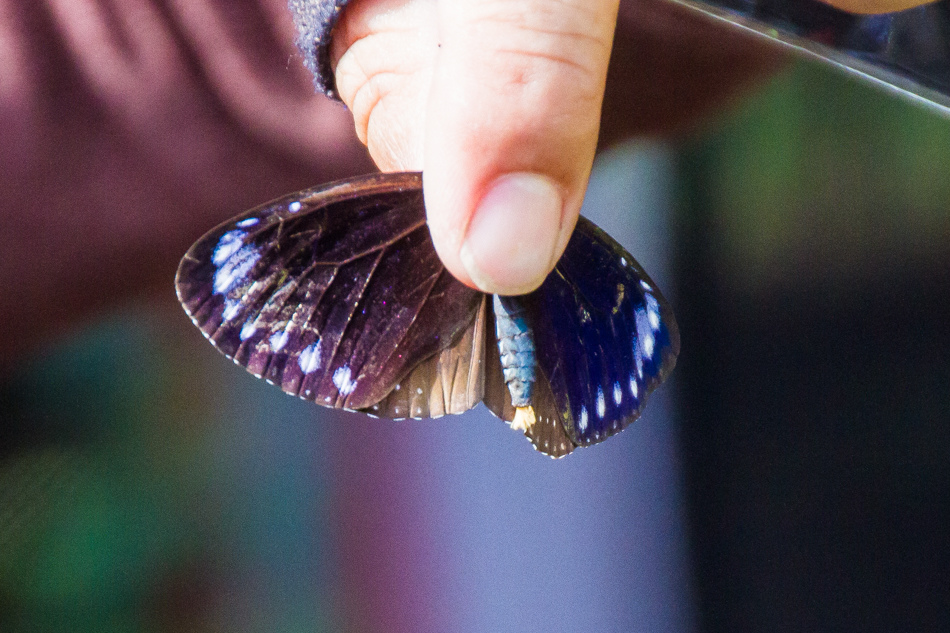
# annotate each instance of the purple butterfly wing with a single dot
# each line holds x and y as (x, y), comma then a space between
(605, 336)
(334, 294)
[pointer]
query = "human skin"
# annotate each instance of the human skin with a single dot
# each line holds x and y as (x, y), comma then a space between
(128, 132)
(499, 104)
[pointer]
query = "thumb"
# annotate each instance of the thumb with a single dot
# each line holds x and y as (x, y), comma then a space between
(511, 128)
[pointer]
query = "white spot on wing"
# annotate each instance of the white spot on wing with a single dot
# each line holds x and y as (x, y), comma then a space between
(228, 244)
(653, 312)
(294, 206)
(234, 269)
(645, 333)
(309, 359)
(645, 285)
(248, 222)
(601, 404)
(248, 330)
(633, 386)
(648, 343)
(343, 379)
(232, 308)
(618, 394)
(278, 340)
(582, 421)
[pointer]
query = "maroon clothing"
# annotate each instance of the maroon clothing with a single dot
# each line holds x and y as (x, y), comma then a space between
(129, 128)
(315, 20)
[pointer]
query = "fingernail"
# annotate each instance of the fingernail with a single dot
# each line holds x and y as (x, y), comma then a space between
(509, 247)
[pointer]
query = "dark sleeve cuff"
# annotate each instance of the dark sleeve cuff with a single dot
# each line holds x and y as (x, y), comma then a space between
(315, 20)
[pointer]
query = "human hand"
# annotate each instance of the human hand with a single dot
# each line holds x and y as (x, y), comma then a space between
(500, 104)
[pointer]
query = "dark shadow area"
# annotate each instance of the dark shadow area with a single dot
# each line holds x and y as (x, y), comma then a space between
(816, 388)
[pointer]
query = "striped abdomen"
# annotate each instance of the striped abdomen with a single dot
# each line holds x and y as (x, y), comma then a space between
(515, 348)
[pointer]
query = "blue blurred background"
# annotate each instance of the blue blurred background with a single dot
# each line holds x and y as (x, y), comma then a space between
(794, 474)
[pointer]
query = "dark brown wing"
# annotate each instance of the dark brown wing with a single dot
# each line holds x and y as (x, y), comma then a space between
(452, 381)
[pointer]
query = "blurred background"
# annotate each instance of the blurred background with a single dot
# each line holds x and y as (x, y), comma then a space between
(793, 475)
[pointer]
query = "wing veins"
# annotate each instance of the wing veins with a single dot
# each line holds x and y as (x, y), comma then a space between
(415, 316)
(349, 319)
(381, 246)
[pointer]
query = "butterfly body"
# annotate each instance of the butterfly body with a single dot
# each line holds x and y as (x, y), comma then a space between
(516, 348)
(336, 294)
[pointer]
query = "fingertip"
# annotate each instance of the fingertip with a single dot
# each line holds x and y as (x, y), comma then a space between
(513, 238)
(511, 131)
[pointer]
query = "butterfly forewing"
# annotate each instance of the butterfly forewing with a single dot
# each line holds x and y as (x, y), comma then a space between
(605, 336)
(334, 294)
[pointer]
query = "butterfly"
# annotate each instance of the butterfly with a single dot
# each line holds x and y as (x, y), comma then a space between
(335, 294)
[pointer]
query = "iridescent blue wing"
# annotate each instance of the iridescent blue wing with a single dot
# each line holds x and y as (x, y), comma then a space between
(335, 294)
(605, 336)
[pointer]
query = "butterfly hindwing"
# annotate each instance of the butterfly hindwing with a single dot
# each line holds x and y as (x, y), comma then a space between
(451, 381)
(605, 336)
(332, 296)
